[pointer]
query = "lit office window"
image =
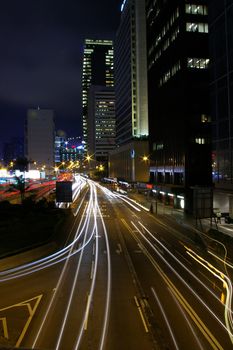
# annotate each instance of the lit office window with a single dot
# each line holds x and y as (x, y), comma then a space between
(170, 73)
(198, 63)
(196, 9)
(200, 141)
(205, 118)
(197, 27)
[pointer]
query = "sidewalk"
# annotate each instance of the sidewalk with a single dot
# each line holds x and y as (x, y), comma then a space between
(160, 209)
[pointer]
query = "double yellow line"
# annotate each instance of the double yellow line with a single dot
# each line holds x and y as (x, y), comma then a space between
(196, 319)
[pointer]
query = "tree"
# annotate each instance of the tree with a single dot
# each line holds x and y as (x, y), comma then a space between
(20, 185)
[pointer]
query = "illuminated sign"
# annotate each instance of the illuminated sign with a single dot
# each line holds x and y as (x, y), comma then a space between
(132, 153)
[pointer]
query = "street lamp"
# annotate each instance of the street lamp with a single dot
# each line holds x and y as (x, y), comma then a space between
(145, 158)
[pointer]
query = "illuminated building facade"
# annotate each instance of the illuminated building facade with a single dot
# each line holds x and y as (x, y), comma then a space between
(60, 140)
(178, 90)
(39, 139)
(72, 150)
(97, 70)
(131, 91)
(131, 73)
(221, 92)
(101, 122)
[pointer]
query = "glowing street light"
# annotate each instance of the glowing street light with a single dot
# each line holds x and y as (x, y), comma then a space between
(145, 158)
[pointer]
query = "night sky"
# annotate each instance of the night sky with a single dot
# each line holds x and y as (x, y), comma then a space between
(41, 45)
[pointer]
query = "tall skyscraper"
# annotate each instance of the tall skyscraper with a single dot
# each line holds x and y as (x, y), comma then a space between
(131, 94)
(131, 73)
(178, 83)
(221, 90)
(101, 122)
(97, 70)
(39, 139)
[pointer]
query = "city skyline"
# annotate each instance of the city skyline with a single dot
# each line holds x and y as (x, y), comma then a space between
(41, 59)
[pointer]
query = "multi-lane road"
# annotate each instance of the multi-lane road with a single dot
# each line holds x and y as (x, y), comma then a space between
(125, 279)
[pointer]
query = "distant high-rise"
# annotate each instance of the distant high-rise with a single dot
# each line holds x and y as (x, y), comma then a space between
(131, 94)
(178, 83)
(39, 139)
(97, 70)
(60, 139)
(101, 122)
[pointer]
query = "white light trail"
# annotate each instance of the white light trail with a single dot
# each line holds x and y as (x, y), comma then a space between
(178, 275)
(43, 322)
(165, 319)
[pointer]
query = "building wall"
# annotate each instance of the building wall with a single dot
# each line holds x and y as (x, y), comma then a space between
(131, 73)
(178, 83)
(40, 138)
(221, 88)
(126, 162)
(101, 129)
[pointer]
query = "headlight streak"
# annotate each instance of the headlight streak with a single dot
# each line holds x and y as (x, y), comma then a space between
(218, 274)
(179, 276)
(86, 314)
(220, 243)
(79, 185)
(26, 269)
(127, 199)
(58, 286)
(17, 271)
(223, 261)
(75, 282)
(97, 211)
(204, 330)
(108, 299)
(106, 191)
(186, 319)
(165, 318)
(47, 261)
(109, 278)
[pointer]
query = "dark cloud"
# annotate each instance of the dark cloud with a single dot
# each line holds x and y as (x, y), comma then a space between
(40, 61)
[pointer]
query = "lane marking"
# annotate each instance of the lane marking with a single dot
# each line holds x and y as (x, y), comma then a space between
(29, 319)
(141, 314)
(92, 269)
(5, 329)
(31, 310)
(87, 312)
(119, 248)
